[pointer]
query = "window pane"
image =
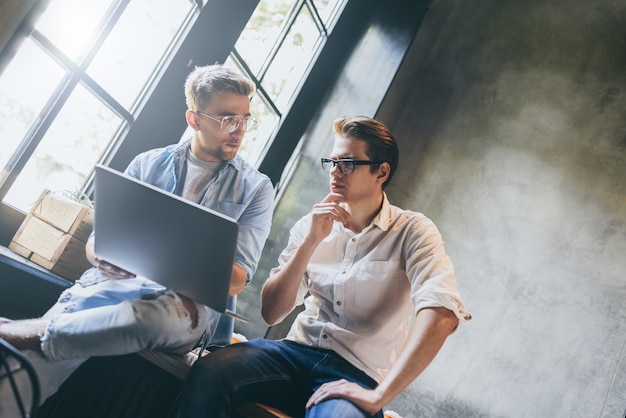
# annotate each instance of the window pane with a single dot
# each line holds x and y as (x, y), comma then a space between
(254, 142)
(291, 62)
(327, 9)
(262, 31)
(71, 24)
(131, 52)
(25, 86)
(68, 152)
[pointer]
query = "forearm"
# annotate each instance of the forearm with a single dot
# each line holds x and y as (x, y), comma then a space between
(238, 280)
(279, 292)
(432, 327)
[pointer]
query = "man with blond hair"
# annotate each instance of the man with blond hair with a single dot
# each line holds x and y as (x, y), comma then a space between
(110, 311)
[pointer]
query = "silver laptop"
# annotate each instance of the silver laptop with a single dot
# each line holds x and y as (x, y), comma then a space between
(158, 235)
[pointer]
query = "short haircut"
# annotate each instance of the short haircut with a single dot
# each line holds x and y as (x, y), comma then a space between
(204, 81)
(381, 145)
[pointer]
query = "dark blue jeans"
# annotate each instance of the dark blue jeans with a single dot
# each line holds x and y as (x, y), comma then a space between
(281, 374)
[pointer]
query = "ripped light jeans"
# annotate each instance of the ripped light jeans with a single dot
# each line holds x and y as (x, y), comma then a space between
(103, 317)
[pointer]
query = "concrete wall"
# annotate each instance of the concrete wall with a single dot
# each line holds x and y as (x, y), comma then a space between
(513, 140)
(510, 119)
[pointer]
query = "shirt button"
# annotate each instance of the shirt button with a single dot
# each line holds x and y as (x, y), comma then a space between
(325, 336)
(338, 303)
(353, 239)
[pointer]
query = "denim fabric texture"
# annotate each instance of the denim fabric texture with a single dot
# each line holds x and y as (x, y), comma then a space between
(281, 374)
(100, 316)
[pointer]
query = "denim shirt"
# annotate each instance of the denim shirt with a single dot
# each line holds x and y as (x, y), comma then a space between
(238, 191)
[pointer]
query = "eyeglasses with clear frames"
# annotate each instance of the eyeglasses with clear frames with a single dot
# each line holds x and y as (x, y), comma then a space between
(231, 123)
(346, 166)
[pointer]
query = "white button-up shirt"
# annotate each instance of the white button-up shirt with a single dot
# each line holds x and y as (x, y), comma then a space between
(365, 289)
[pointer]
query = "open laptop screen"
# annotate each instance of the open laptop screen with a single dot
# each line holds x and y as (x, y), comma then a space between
(158, 235)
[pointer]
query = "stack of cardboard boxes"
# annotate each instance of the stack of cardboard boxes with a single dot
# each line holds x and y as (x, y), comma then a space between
(54, 234)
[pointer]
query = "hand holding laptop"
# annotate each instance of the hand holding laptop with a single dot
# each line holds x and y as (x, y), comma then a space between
(112, 271)
(109, 270)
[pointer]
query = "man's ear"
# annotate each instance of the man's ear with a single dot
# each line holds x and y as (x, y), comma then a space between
(192, 119)
(383, 170)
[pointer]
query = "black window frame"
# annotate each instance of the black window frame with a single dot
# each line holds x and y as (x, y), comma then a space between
(160, 121)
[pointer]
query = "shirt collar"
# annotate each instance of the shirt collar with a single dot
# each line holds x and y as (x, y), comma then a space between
(383, 219)
(237, 162)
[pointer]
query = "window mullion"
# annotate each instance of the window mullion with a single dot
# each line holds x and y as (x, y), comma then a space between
(287, 25)
(316, 17)
(35, 133)
(106, 25)
(260, 89)
(81, 75)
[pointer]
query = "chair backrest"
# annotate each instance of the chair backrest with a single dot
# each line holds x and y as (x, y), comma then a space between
(12, 365)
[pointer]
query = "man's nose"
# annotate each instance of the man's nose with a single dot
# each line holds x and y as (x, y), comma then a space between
(240, 131)
(335, 170)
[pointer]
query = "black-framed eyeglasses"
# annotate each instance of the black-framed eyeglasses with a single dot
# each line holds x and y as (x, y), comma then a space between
(346, 166)
(231, 123)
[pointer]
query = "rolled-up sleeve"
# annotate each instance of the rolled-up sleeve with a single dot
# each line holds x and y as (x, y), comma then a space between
(430, 270)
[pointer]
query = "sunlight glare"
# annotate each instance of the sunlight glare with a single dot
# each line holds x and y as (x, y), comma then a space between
(70, 24)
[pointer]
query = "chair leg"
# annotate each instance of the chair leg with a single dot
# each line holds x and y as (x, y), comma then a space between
(7, 353)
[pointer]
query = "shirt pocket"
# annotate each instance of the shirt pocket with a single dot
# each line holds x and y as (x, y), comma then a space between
(377, 285)
(234, 210)
(322, 282)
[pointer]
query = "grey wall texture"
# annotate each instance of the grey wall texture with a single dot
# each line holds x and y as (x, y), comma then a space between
(510, 117)
(513, 141)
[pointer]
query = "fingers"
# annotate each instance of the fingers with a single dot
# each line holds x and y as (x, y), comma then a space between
(360, 396)
(112, 271)
(331, 208)
(332, 212)
(328, 390)
(333, 197)
(324, 214)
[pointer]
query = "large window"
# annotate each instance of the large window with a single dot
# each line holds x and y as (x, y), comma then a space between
(275, 49)
(76, 82)
(73, 84)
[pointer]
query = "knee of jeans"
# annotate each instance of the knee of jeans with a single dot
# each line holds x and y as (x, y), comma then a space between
(225, 360)
(164, 313)
(337, 407)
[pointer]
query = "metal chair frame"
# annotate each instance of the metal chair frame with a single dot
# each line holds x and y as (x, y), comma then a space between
(8, 352)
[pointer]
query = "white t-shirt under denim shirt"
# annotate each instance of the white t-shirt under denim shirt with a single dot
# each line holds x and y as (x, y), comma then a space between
(239, 191)
(365, 289)
(197, 177)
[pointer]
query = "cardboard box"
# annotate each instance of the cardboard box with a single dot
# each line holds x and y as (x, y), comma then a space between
(54, 234)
